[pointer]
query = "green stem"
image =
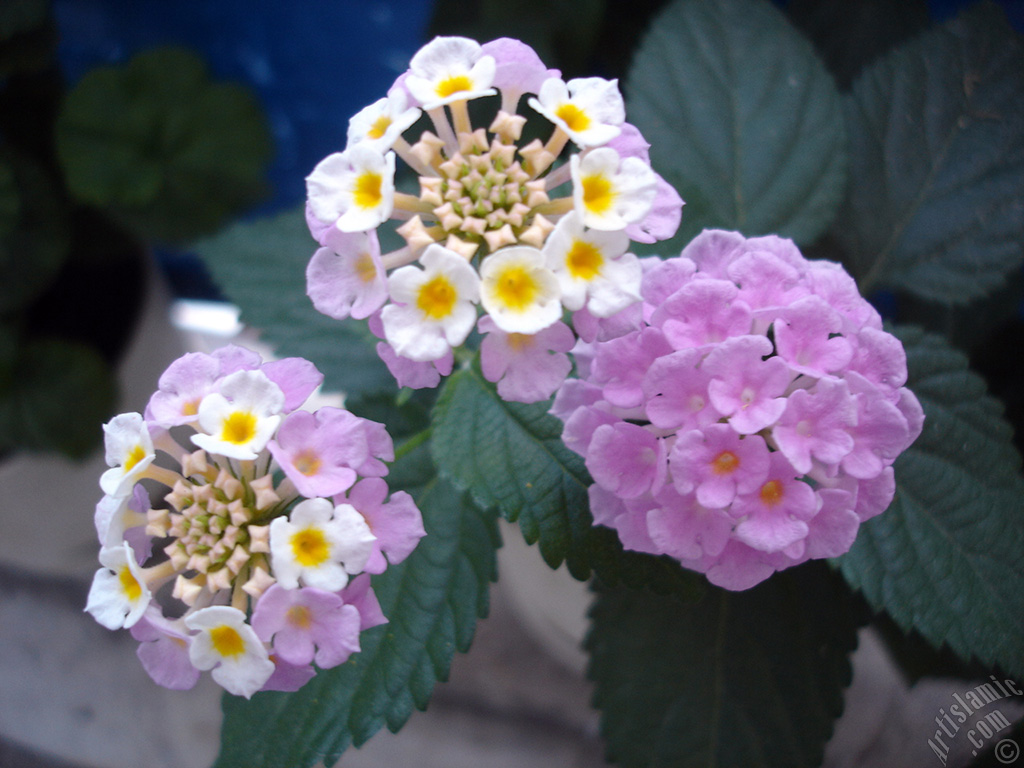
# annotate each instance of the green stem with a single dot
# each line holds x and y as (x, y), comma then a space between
(412, 443)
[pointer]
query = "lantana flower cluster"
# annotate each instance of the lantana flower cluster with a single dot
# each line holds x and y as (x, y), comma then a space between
(503, 236)
(746, 417)
(268, 523)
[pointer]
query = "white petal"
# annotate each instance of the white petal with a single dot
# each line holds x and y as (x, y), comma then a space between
(243, 673)
(109, 602)
(355, 540)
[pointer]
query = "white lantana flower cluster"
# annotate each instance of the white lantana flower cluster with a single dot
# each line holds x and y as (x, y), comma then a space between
(505, 236)
(271, 521)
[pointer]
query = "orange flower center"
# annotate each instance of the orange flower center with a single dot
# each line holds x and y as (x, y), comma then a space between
(771, 493)
(725, 463)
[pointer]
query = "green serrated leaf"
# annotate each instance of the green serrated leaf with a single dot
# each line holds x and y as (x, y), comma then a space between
(171, 153)
(432, 601)
(511, 456)
(936, 200)
(405, 414)
(743, 120)
(967, 326)
(944, 559)
(261, 267)
(54, 398)
(749, 678)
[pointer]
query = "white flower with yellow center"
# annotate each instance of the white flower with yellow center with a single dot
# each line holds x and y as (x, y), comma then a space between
(227, 645)
(383, 122)
(320, 544)
(119, 595)
(450, 69)
(518, 291)
(589, 109)
(129, 451)
(354, 190)
(609, 191)
(593, 267)
(239, 419)
(433, 307)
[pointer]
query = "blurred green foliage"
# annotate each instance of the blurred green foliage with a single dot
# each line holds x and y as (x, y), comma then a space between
(151, 151)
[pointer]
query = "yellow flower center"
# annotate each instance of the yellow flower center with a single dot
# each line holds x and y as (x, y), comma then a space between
(135, 455)
(308, 462)
(310, 547)
(453, 85)
(584, 260)
(226, 641)
(239, 428)
(575, 118)
(598, 194)
(771, 493)
(379, 127)
(726, 463)
(300, 616)
(190, 408)
(516, 288)
(520, 341)
(366, 192)
(436, 298)
(365, 269)
(129, 584)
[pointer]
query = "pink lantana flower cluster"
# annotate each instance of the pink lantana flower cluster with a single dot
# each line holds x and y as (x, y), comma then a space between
(268, 522)
(746, 417)
(504, 236)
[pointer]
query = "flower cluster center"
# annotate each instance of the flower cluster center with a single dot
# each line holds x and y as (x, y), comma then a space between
(484, 197)
(212, 521)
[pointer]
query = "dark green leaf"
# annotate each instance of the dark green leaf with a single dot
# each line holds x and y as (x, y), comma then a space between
(944, 559)
(742, 117)
(747, 679)
(405, 413)
(511, 456)
(850, 35)
(21, 16)
(432, 601)
(967, 326)
(261, 266)
(172, 153)
(936, 201)
(918, 659)
(54, 398)
(34, 234)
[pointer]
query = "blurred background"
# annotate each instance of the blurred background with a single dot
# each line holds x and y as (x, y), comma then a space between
(128, 131)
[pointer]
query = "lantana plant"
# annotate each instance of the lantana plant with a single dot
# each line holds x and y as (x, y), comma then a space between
(750, 420)
(268, 521)
(728, 431)
(503, 236)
